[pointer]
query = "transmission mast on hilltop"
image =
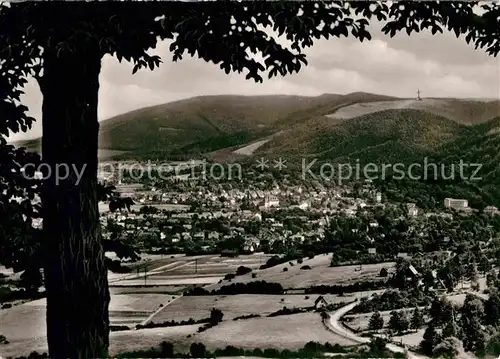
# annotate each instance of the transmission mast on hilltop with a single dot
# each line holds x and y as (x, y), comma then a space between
(418, 96)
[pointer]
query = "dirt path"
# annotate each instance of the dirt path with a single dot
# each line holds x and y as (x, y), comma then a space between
(148, 319)
(249, 149)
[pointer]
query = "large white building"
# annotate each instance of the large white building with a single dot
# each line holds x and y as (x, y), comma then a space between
(456, 203)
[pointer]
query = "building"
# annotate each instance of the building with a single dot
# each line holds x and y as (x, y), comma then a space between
(304, 205)
(105, 175)
(271, 201)
(213, 235)
(37, 223)
(442, 215)
(491, 210)
(320, 303)
(439, 285)
(251, 244)
(111, 255)
(456, 203)
(413, 271)
(412, 209)
(467, 211)
(412, 275)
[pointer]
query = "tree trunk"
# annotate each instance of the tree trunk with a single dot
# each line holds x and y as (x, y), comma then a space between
(75, 272)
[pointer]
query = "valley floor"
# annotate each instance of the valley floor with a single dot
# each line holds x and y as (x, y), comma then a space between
(24, 325)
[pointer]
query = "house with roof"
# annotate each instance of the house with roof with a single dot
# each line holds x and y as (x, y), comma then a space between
(491, 210)
(412, 275)
(439, 285)
(412, 209)
(413, 271)
(213, 235)
(320, 303)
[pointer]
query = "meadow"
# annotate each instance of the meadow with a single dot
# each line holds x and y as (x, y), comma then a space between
(133, 303)
(234, 306)
(283, 332)
(320, 273)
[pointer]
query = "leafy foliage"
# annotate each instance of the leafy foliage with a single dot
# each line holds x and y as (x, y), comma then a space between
(376, 321)
(417, 319)
(398, 322)
(430, 340)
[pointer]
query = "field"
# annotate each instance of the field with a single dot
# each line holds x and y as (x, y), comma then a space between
(23, 322)
(320, 273)
(131, 309)
(283, 332)
(217, 265)
(146, 338)
(120, 342)
(133, 303)
(28, 320)
(183, 271)
(162, 280)
(235, 305)
(162, 289)
(24, 325)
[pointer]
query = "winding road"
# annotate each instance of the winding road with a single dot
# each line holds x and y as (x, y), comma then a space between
(339, 329)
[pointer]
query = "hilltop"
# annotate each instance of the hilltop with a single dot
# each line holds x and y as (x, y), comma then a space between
(388, 135)
(463, 111)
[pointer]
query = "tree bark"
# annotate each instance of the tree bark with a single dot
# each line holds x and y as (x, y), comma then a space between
(75, 271)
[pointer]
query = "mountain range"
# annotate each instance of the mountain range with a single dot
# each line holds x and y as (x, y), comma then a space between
(330, 126)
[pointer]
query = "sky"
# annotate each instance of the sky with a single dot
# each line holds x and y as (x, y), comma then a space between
(439, 65)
